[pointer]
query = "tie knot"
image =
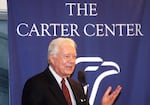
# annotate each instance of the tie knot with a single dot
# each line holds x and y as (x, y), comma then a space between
(63, 81)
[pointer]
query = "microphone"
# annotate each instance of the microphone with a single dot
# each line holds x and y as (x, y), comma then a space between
(82, 80)
(82, 77)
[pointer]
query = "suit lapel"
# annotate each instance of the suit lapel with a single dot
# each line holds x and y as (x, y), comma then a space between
(75, 90)
(78, 93)
(55, 89)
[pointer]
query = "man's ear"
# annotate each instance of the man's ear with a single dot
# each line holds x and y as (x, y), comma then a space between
(50, 59)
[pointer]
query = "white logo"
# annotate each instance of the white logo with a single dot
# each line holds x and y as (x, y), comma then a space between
(101, 76)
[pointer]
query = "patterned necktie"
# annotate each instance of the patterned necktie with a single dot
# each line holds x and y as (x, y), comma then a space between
(66, 92)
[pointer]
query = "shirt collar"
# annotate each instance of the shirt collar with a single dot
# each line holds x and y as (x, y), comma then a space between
(57, 77)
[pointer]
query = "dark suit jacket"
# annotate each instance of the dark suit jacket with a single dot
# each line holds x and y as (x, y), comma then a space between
(43, 89)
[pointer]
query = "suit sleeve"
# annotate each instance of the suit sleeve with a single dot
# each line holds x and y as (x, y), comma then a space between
(31, 94)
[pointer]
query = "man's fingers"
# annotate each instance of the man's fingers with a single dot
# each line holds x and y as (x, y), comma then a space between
(117, 90)
(108, 90)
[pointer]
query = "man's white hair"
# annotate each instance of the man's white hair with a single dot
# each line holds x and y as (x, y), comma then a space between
(56, 43)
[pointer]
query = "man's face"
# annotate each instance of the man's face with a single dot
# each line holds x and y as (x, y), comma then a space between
(64, 61)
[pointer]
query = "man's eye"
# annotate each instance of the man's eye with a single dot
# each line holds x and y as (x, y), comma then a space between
(74, 57)
(69, 56)
(66, 56)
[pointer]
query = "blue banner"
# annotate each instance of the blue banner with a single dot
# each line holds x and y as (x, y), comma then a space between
(112, 44)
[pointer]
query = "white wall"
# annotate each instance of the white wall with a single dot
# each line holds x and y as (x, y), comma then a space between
(3, 5)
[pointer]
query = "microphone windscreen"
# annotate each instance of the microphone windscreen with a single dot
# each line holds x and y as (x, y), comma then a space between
(82, 76)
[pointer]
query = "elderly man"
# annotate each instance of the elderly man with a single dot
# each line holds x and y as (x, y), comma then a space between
(54, 86)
